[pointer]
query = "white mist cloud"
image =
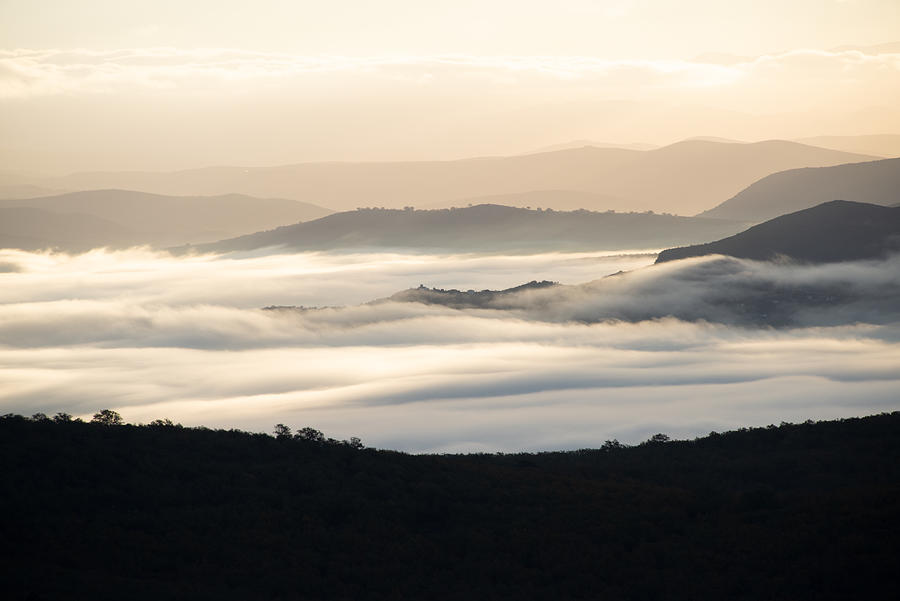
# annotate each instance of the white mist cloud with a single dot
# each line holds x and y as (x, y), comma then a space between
(155, 336)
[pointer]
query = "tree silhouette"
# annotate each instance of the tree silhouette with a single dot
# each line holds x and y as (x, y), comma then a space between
(282, 432)
(107, 417)
(310, 434)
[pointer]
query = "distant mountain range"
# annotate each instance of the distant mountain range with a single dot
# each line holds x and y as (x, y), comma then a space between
(682, 178)
(482, 228)
(885, 145)
(876, 182)
(833, 231)
(81, 220)
(30, 228)
(558, 200)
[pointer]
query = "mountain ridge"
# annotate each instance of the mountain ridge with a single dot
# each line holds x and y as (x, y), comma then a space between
(833, 231)
(666, 179)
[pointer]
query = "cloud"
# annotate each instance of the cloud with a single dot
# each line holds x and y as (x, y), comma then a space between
(26, 73)
(153, 336)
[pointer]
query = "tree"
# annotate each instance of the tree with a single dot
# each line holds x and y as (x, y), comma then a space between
(107, 417)
(310, 434)
(282, 432)
(611, 445)
(163, 423)
(355, 443)
(40, 417)
(658, 439)
(62, 417)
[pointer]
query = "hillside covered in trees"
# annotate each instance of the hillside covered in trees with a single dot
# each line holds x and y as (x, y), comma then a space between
(106, 510)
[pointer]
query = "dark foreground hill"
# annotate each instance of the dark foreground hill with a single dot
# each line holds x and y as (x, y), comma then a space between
(876, 182)
(91, 511)
(833, 231)
(483, 228)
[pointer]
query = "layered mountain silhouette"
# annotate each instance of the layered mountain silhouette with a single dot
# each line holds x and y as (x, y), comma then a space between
(29, 228)
(558, 200)
(833, 231)
(482, 228)
(885, 145)
(464, 299)
(876, 182)
(683, 178)
(79, 220)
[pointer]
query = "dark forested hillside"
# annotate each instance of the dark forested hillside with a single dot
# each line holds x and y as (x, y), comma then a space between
(105, 511)
(830, 232)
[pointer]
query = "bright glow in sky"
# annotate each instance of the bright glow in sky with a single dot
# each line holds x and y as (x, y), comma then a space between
(115, 84)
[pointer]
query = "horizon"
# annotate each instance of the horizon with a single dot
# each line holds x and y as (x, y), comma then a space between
(699, 124)
(276, 83)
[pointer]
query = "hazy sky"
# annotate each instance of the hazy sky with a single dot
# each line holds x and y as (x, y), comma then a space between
(653, 29)
(117, 84)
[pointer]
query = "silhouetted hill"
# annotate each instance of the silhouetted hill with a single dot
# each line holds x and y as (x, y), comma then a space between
(14, 191)
(464, 299)
(716, 289)
(34, 229)
(167, 220)
(481, 228)
(833, 231)
(876, 182)
(558, 200)
(92, 511)
(884, 145)
(684, 178)
(584, 142)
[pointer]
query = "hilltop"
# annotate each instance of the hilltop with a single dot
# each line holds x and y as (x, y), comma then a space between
(482, 228)
(833, 231)
(106, 511)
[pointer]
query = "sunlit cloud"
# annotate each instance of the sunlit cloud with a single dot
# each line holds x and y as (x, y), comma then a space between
(25, 73)
(152, 335)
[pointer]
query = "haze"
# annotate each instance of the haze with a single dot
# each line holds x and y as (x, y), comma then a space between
(99, 85)
(454, 226)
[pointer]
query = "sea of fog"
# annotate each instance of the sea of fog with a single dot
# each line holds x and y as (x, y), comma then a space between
(154, 336)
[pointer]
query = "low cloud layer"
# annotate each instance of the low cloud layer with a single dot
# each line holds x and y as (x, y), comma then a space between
(152, 336)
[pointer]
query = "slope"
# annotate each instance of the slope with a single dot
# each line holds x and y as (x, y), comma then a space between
(876, 182)
(29, 228)
(833, 231)
(167, 220)
(682, 178)
(481, 228)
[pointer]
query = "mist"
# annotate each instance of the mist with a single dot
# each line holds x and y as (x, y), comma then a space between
(155, 336)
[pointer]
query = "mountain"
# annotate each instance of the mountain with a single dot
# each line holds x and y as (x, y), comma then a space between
(595, 144)
(30, 228)
(483, 228)
(13, 191)
(558, 200)
(796, 511)
(876, 182)
(168, 220)
(884, 145)
(463, 299)
(684, 178)
(833, 231)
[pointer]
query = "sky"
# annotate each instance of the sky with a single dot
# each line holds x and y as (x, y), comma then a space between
(126, 85)
(153, 336)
